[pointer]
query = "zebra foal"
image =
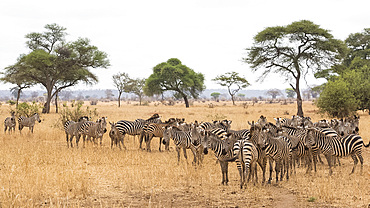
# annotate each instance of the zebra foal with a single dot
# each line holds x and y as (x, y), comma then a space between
(10, 123)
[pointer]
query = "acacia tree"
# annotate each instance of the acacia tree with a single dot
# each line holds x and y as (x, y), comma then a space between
(215, 95)
(136, 86)
(293, 51)
(290, 92)
(232, 79)
(274, 93)
(174, 76)
(21, 81)
(55, 64)
(121, 82)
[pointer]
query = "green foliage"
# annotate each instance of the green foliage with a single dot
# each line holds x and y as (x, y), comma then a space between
(174, 76)
(26, 109)
(74, 112)
(311, 199)
(55, 64)
(231, 79)
(293, 51)
(337, 100)
(11, 102)
(290, 92)
(215, 95)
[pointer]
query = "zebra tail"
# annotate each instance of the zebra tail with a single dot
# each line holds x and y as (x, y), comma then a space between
(232, 159)
(367, 144)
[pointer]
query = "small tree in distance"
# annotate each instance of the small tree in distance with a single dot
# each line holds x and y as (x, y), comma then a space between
(230, 79)
(215, 95)
(274, 93)
(121, 82)
(290, 92)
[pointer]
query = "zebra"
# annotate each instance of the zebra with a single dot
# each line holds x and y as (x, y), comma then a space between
(247, 154)
(334, 146)
(135, 127)
(71, 130)
(223, 151)
(10, 123)
(223, 124)
(116, 137)
(28, 122)
(182, 140)
(92, 129)
(156, 130)
(277, 149)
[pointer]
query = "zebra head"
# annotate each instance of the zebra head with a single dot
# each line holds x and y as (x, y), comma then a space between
(167, 134)
(103, 123)
(37, 117)
(262, 120)
(354, 124)
(114, 132)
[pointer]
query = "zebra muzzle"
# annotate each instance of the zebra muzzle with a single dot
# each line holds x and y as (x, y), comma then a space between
(205, 151)
(164, 142)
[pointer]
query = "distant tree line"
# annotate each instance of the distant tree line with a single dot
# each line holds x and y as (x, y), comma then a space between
(292, 51)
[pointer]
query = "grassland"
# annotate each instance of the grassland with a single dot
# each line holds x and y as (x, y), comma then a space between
(39, 170)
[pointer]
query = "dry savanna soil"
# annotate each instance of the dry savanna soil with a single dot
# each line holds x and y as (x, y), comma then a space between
(39, 170)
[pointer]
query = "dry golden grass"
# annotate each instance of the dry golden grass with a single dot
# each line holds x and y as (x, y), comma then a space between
(39, 170)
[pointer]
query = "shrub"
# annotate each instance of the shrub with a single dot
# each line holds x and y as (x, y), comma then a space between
(25, 109)
(336, 99)
(11, 102)
(74, 113)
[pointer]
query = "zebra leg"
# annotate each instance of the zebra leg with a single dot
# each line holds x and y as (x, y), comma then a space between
(287, 172)
(224, 170)
(70, 140)
(185, 155)
(5, 129)
(355, 161)
(147, 141)
(339, 162)
(318, 155)
(67, 140)
(359, 155)
(241, 172)
(160, 143)
(270, 178)
(329, 158)
(195, 155)
(178, 155)
(142, 134)
(78, 139)
(277, 168)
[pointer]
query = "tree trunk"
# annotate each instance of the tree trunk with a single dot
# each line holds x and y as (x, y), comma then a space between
(46, 108)
(139, 99)
(56, 102)
(299, 98)
(119, 99)
(18, 96)
(186, 101)
(232, 99)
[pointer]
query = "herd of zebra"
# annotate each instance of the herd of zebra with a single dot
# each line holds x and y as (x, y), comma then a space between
(284, 142)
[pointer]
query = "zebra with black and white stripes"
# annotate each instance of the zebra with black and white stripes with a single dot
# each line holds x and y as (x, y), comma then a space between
(247, 155)
(71, 129)
(278, 150)
(95, 130)
(223, 150)
(135, 127)
(182, 140)
(28, 122)
(10, 122)
(223, 124)
(156, 130)
(339, 147)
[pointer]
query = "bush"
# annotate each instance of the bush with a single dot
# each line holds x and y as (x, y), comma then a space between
(74, 113)
(336, 99)
(25, 109)
(11, 102)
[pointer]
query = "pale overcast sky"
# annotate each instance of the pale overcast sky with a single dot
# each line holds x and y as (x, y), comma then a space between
(209, 36)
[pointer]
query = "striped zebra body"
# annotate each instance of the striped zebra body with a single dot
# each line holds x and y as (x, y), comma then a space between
(182, 140)
(255, 134)
(334, 146)
(9, 123)
(71, 130)
(248, 155)
(95, 130)
(224, 124)
(223, 150)
(28, 122)
(277, 149)
(116, 137)
(243, 134)
(155, 130)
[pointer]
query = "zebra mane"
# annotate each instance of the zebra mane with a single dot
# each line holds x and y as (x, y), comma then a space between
(154, 116)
